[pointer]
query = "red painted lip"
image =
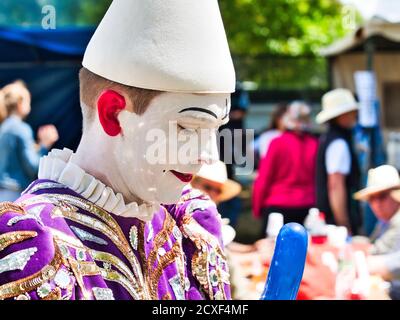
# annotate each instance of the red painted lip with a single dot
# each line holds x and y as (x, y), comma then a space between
(182, 176)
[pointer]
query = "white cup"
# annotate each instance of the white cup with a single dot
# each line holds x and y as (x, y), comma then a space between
(275, 223)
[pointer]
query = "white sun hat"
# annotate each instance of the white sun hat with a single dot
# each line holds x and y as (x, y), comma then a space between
(380, 179)
(217, 172)
(396, 195)
(336, 103)
(174, 46)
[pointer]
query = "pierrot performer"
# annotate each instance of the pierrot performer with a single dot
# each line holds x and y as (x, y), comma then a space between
(114, 220)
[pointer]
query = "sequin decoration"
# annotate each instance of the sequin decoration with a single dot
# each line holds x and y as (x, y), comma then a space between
(214, 278)
(198, 205)
(62, 279)
(24, 296)
(219, 295)
(10, 238)
(161, 252)
(87, 236)
(44, 290)
(150, 235)
(177, 233)
(64, 250)
(133, 237)
(80, 255)
(187, 284)
(107, 265)
(213, 258)
(16, 260)
(176, 286)
(103, 294)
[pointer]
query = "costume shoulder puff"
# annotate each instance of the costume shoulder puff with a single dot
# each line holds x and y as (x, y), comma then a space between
(201, 224)
(28, 255)
(197, 206)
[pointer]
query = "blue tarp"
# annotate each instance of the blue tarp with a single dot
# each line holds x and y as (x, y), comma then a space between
(49, 62)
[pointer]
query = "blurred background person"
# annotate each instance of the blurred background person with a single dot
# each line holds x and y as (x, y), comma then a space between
(213, 180)
(19, 156)
(286, 178)
(275, 129)
(338, 172)
(236, 145)
(385, 204)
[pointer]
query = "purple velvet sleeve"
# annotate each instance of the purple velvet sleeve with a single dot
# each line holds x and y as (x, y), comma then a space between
(198, 217)
(24, 237)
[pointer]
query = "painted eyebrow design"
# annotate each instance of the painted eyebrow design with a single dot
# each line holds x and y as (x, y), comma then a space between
(200, 110)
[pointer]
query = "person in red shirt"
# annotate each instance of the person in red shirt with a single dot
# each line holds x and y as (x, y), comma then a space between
(286, 178)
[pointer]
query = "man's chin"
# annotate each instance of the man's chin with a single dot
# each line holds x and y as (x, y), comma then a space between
(171, 196)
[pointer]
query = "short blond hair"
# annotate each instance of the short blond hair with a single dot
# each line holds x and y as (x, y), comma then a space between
(14, 93)
(92, 85)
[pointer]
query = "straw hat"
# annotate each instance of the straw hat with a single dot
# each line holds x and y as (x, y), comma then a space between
(217, 173)
(174, 46)
(380, 179)
(336, 103)
(396, 195)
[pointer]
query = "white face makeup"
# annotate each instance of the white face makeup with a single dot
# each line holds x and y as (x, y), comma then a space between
(153, 162)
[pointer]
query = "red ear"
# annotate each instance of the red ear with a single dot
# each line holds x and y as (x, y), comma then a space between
(110, 103)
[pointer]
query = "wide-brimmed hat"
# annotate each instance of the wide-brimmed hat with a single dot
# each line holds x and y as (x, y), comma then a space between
(395, 195)
(336, 103)
(217, 173)
(380, 179)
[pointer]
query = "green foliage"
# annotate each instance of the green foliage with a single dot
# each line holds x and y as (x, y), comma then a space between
(283, 27)
(264, 35)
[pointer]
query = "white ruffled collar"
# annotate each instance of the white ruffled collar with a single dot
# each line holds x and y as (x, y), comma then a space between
(58, 166)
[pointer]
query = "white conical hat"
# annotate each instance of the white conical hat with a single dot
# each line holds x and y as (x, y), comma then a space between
(166, 45)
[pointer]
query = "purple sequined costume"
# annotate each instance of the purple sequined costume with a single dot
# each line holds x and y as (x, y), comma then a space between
(54, 244)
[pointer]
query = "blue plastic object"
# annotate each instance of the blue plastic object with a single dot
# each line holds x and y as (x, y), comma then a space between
(287, 264)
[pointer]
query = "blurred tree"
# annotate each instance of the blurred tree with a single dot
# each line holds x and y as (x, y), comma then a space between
(261, 34)
(284, 27)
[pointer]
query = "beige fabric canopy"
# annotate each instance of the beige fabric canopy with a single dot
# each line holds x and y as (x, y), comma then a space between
(374, 27)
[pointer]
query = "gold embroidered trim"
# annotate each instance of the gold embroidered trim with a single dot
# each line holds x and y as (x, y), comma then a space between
(54, 294)
(167, 296)
(10, 238)
(160, 239)
(114, 276)
(76, 270)
(200, 270)
(100, 226)
(11, 207)
(206, 245)
(111, 228)
(60, 236)
(34, 281)
(164, 261)
(115, 261)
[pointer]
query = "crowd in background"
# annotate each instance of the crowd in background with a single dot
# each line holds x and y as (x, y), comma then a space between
(298, 170)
